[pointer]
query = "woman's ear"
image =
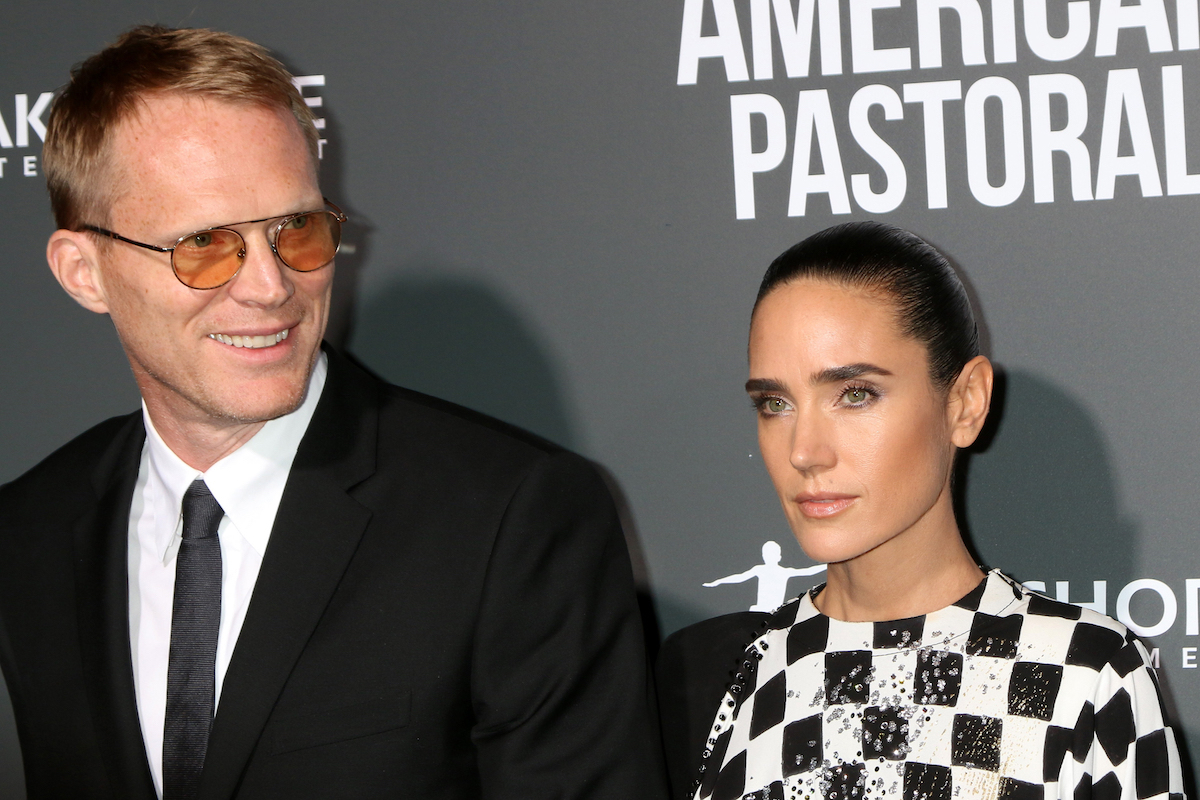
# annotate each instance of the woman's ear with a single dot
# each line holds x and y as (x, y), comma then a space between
(969, 401)
(73, 259)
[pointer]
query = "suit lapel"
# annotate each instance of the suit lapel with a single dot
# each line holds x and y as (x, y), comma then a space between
(102, 600)
(316, 532)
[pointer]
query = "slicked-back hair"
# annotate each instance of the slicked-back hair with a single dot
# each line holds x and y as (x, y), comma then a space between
(931, 303)
(148, 60)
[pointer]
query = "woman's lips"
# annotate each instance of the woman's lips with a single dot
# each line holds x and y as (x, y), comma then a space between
(823, 506)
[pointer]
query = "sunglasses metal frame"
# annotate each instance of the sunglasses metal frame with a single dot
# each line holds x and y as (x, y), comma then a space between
(331, 208)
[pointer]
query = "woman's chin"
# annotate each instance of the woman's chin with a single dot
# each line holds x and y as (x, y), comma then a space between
(827, 544)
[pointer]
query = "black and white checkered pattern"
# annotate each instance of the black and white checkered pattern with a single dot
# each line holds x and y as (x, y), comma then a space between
(1005, 694)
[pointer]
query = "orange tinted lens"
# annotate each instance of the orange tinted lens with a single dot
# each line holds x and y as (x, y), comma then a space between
(309, 241)
(208, 259)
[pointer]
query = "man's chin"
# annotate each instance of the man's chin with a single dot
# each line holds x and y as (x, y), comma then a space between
(268, 398)
(264, 410)
(251, 404)
(224, 397)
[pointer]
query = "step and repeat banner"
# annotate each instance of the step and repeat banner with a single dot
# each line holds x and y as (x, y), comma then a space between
(560, 213)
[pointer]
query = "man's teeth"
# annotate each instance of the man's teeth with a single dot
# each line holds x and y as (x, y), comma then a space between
(251, 341)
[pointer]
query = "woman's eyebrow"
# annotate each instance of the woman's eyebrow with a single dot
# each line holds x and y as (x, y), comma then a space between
(830, 375)
(846, 373)
(764, 385)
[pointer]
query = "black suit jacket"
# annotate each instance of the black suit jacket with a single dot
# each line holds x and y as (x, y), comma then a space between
(445, 610)
(695, 667)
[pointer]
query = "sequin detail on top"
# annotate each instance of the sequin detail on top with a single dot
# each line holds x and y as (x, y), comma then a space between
(1005, 694)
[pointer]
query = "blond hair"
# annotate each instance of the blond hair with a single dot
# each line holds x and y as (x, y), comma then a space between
(150, 59)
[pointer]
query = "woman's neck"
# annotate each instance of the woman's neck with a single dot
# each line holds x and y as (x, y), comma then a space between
(923, 569)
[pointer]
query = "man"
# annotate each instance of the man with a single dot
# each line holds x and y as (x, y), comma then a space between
(283, 578)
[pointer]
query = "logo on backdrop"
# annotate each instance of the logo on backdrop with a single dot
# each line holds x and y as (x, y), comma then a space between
(23, 130)
(1056, 102)
(1147, 606)
(15, 130)
(308, 86)
(772, 578)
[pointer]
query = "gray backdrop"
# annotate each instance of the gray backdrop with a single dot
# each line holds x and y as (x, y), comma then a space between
(546, 229)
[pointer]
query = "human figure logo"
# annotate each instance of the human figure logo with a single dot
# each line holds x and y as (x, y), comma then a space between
(772, 578)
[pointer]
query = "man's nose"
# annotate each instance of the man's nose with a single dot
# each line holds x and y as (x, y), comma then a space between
(263, 279)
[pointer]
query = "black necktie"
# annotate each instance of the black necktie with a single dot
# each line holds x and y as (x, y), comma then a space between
(192, 664)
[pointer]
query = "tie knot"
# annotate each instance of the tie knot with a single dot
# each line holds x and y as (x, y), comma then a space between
(201, 512)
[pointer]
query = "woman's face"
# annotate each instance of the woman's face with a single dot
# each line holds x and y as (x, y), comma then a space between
(857, 439)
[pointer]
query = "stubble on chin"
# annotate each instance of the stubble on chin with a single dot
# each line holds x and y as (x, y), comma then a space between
(284, 406)
(207, 404)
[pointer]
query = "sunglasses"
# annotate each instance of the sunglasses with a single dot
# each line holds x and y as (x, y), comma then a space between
(210, 258)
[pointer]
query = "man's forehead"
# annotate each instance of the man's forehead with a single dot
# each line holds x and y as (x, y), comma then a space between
(178, 114)
(174, 124)
(191, 152)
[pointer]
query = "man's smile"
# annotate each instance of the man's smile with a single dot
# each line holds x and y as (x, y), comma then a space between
(251, 342)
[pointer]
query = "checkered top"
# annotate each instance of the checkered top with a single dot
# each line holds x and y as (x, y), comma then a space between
(1005, 694)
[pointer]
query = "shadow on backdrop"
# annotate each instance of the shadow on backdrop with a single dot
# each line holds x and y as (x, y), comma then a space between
(1040, 496)
(457, 339)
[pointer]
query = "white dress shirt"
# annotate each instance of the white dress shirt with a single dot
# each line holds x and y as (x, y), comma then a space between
(248, 483)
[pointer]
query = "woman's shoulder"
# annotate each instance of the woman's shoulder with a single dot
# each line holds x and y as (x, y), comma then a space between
(1077, 636)
(1035, 603)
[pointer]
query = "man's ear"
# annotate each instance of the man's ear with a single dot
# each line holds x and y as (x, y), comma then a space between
(969, 401)
(74, 261)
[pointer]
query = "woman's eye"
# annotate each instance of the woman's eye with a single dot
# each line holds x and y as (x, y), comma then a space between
(200, 240)
(771, 406)
(295, 223)
(856, 396)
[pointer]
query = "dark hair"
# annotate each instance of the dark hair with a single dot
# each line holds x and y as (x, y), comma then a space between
(931, 302)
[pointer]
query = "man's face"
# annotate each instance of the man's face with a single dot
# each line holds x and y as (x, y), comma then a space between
(185, 164)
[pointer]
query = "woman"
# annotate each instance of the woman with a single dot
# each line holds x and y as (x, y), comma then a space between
(911, 673)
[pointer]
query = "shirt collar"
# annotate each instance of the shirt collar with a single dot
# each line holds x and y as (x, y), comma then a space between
(248, 483)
